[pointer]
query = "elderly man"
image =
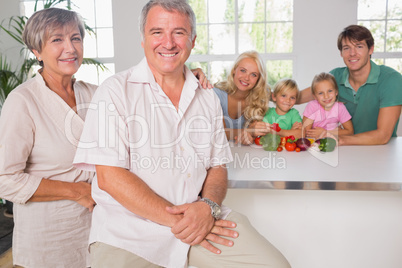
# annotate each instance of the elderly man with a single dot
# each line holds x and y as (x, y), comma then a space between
(157, 142)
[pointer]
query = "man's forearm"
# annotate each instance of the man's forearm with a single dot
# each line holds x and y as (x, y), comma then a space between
(135, 195)
(374, 137)
(216, 184)
(305, 96)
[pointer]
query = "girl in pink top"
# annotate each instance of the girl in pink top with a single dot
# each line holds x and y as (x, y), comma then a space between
(324, 114)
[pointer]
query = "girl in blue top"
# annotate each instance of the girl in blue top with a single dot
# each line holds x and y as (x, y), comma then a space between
(244, 97)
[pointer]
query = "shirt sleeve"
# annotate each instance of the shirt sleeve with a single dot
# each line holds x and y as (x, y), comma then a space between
(310, 110)
(344, 115)
(222, 98)
(17, 130)
(296, 116)
(391, 90)
(104, 138)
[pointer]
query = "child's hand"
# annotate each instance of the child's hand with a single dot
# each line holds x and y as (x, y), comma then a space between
(259, 128)
(316, 133)
(297, 125)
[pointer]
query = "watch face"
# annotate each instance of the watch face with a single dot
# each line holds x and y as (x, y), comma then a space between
(217, 211)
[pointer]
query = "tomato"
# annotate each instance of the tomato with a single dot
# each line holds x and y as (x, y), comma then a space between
(290, 146)
(257, 141)
(279, 149)
(297, 149)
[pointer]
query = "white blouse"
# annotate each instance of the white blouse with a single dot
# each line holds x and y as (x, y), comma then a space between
(39, 134)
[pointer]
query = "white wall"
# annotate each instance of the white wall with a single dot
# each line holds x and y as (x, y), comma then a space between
(327, 229)
(127, 38)
(317, 24)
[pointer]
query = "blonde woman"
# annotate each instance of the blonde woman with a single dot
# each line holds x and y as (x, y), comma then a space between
(244, 98)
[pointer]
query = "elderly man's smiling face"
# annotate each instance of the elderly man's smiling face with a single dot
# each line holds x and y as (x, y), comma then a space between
(167, 41)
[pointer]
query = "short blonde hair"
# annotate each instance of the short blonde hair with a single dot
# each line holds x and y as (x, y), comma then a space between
(286, 85)
(257, 100)
(323, 77)
(40, 25)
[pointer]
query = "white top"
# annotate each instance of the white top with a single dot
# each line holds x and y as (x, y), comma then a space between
(134, 125)
(39, 133)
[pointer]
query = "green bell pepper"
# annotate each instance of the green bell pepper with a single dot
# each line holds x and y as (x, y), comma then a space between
(326, 144)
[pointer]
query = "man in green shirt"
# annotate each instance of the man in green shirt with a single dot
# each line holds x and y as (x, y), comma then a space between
(372, 93)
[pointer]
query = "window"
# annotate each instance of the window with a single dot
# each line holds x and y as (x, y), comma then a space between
(226, 28)
(97, 15)
(384, 19)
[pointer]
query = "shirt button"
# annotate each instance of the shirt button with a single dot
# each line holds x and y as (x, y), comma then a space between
(188, 175)
(182, 148)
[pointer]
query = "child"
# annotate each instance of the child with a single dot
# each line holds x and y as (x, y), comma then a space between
(285, 95)
(324, 114)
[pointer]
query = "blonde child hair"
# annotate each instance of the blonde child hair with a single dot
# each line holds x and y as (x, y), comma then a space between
(323, 77)
(258, 99)
(286, 85)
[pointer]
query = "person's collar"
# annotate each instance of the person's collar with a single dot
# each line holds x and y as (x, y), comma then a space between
(142, 74)
(374, 73)
(371, 79)
(191, 80)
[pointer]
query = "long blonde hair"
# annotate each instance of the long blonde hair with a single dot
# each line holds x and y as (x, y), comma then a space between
(258, 98)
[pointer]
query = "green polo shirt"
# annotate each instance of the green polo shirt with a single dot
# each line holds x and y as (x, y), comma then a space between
(285, 121)
(383, 88)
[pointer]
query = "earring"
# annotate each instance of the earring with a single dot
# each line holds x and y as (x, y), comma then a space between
(39, 59)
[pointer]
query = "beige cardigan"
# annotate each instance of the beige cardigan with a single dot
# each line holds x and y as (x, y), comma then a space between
(39, 133)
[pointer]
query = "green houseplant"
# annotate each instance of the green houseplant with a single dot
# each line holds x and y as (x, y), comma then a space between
(11, 77)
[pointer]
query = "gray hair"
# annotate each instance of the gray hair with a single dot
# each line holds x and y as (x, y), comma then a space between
(40, 25)
(180, 6)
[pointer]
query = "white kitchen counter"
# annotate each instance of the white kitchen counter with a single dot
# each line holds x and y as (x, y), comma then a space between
(346, 168)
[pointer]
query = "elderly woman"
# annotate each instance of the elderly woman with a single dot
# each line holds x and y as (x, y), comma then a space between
(40, 125)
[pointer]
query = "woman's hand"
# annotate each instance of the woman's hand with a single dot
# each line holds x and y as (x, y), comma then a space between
(199, 74)
(259, 128)
(83, 192)
(244, 137)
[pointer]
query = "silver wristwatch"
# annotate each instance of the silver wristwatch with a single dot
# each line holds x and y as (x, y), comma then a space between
(215, 208)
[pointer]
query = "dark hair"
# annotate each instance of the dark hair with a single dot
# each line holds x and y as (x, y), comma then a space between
(356, 33)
